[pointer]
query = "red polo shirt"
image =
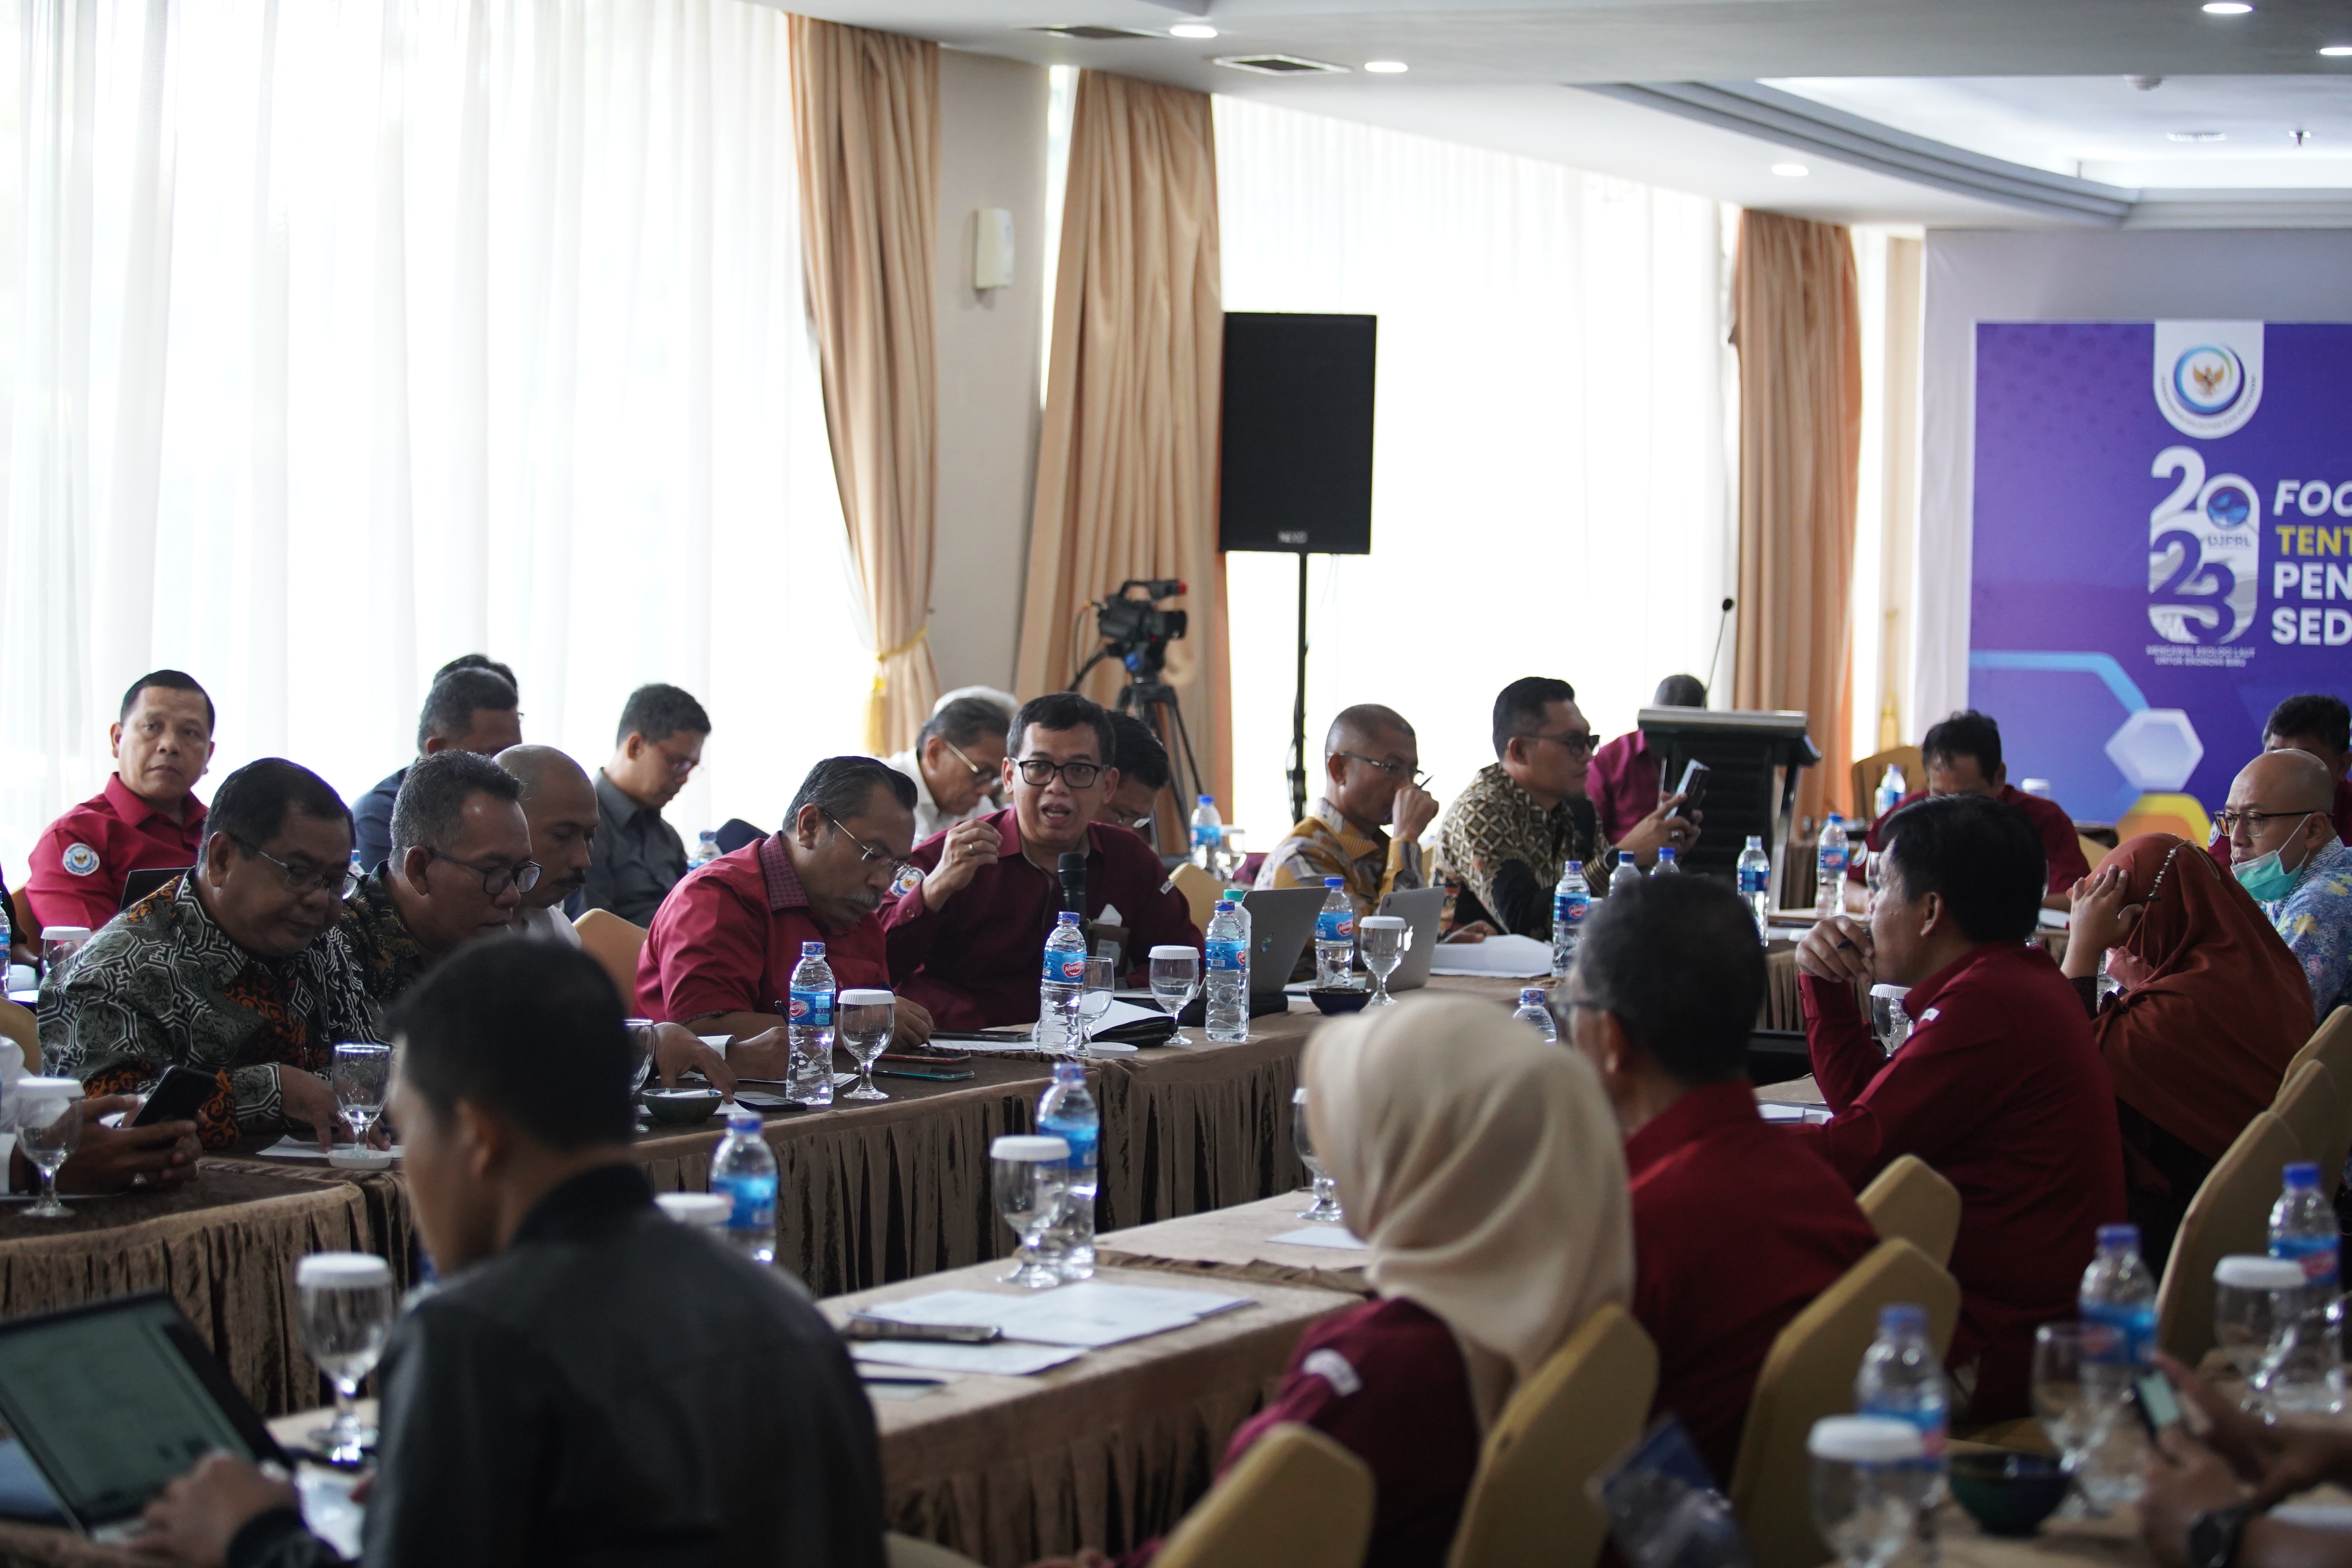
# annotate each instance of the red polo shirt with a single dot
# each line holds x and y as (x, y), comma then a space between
(728, 937)
(2001, 1090)
(1622, 783)
(79, 864)
(2059, 846)
(975, 962)
(1734, 1232)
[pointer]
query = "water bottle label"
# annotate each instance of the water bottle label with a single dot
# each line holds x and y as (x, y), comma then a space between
(1929, 1422)
(1227, 955)
(1085, 1142)
(754, 1200)
(1208, 836)
(2321, 1256)
(1065, 968)
(1833, 860)
(1751, 880)
(1336, 925)
(811, 1009)
(2135, 1329)
(1571, 908)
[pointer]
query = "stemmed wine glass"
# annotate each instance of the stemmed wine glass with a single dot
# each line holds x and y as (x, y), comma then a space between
(346, 1302)
(1032, 1179)
(864, 1021)
(2080, 1383)
(48, 1126)
(1175, 981)
(1380, 940)
(1094, 1001)
(1325, 1209)
(363, 1070)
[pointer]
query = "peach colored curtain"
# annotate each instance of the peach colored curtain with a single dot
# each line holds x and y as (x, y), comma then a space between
(1126, 458)
(865, 108)
(1798, 324)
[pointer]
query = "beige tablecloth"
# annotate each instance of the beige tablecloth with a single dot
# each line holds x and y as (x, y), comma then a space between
(1237, 1244)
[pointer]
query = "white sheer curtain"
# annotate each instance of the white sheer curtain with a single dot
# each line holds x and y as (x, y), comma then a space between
(1551, 493)
(351, 335)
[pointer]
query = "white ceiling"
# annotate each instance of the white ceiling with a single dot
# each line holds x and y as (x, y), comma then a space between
(2038, 83)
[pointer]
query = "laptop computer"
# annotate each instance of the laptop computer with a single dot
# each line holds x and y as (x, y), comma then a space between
(1421, 909)
(1281, 921)
(113, 1400)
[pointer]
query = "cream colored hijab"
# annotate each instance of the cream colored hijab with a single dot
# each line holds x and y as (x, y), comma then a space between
(1484, 1169)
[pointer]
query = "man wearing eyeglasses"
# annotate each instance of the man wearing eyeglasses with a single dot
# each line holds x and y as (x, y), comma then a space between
(967, 942)
(460, 866)
(638, 857)
(1504, 840)
(2284, 850)
(954, 763)
(236, 971)
(1373, 782)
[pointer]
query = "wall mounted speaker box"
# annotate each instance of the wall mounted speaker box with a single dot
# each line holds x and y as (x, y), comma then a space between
(1296, 458)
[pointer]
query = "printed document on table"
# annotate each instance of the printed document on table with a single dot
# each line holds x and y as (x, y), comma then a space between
(1089, 1315)
(1322, 1236)
(1002, 1359)
(1498, 957)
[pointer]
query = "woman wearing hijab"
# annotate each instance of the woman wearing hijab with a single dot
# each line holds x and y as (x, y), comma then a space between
(2213, 1007)
(1483, 1170)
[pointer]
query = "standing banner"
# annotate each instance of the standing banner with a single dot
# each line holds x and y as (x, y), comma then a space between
(2163, 550)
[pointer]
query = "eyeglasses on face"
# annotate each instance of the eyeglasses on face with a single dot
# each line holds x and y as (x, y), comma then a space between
(679, 765)
(1041, 770)
(868, 852)
(2227, 823)
(979, 775)
(1394, 770)
(301, 880)
(1578, 742)
(496, 879)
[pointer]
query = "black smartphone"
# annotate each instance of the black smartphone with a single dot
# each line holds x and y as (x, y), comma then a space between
(2159, 1403)
(1693, 789)
(177, 1096)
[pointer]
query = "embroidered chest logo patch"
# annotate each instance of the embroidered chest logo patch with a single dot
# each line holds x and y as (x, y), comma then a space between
(81, 859)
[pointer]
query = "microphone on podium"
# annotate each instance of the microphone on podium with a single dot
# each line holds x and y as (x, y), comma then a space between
(1721, 621)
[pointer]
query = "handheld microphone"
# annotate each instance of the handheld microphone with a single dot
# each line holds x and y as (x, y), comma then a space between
(1072, 868)
(1721, 621)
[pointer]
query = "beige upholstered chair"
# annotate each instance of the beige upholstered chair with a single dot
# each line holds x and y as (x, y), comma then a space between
(614, 944)
(1910, 1200)
(1810, 1373)
(1579, 1411)
(2330, 1042)
(1201, 891)
(17, 1024)
(2230, 1212)
(2313, 1110)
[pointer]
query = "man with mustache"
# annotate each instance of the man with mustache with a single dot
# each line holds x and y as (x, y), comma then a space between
(724, 944)
(148, 815)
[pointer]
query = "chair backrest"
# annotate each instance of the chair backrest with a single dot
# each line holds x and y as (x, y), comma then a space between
(1201, 891)
(1582, 1408)
(2307, 1102)
(1809, 1374)
(1867, 771)
(2093, 851)
(28, 924)
(2230, 1212)
(614, 944)
(17, 1024)
(2330, 1042)
(1910, 1200)
(1295, 1500)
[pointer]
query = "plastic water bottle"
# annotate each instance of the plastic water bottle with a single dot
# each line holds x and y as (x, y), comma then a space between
(1891, 788)
(1238, 895)
(1208, 834)
(1062, 981)
(359, 867)
(1626, 873)
(1228, 975)
(743, 1172)
(1668, 865)
(2310, 1375)
(1901, 1378)
(1572, 901)
(1067, 1111)
(1334, 934)
(1756, 884)
(1828, 870)
(2119, 1291)
(705, 850)
(808, 1016)
(1533, 1013)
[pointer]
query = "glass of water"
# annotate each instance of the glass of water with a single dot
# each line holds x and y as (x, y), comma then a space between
(1869, 1490)
(1094, 1001)
(1175, 981)
(59, 945)
(2246, 1300)
(2081, 1380)
(346, 1302)
(863, 1021)
(1382, 940)
(1325, 1209)
(1032, 1178)
(362, 1071)
(48, 1128)
(641, 1036)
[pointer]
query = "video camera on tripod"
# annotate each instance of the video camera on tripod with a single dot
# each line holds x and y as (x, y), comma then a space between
(1135, 630)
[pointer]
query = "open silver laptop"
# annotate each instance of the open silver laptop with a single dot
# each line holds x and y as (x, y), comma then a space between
(1421, 909)
(1281, 921)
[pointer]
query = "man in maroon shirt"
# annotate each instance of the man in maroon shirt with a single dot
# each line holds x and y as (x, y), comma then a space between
(1734, 1230)
(725, 941)
(1963, 757)
(148, 815)
(970, 941)
(1623, 778)
(1999, 1087)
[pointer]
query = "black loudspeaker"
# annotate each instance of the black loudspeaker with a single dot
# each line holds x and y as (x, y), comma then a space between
(1294, 471)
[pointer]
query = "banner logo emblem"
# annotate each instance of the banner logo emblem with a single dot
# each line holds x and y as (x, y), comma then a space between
(2209, 375)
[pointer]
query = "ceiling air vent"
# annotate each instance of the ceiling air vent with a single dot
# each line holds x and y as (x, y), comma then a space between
(1279, 65)
(1087, 30)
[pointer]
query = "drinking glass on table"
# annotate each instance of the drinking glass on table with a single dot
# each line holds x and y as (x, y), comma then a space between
(48, 1128)
(362, 1071)
(1873, 878)
(59, 945)
(1381, 941)
(345, 1303)
(863, 1021)
(1868, 1488)
(1325, 1209)
(1032, 1178)
(1094, 1001)
(2247, 1296)
(641, 1035)
(1175, 981)
(2081, 1380)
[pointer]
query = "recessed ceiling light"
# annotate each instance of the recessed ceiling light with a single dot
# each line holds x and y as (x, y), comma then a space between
(1791, 171)
(1192, 30)
(2338, 51)
(1385, 67)
(2197, 135)
(2226, 8)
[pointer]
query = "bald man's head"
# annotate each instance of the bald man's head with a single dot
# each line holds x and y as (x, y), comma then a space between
(2289, 780)
(1363, 728)
(539, 767)
(2280, 800)
(1369, 754)
(560, 803)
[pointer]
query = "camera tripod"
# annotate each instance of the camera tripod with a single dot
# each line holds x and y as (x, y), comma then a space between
(1154, 702)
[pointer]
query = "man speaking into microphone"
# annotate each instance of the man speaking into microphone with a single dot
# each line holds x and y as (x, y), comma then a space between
(969, 942)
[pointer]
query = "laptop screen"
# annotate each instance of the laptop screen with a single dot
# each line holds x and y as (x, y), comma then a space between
(110, 1404)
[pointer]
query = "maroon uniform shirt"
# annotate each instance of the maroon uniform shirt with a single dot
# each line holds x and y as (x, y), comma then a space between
(79, 864)
(727, 938)
(975, 962)
(1734, 1232)
(2059, 845)
(1623, 784)
(2001, 1090)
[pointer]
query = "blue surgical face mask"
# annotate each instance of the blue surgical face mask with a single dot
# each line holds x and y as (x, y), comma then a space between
(2266, 876)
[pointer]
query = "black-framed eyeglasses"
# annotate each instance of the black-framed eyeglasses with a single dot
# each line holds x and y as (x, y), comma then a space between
(496, 879)
(868, 852)
(340, 880)
(2227, 823)
(1578, 742)
(1418, 779)
(1038, 770)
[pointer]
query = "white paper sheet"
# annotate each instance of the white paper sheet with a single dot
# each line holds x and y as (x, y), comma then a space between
(292, 1148)
(1089, 1315)
(1501, 957)
(1002, 1360)
(1322, 1236)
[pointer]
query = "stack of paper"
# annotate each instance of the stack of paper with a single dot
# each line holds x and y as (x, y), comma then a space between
(1076, 1318)
(1330, 1235)
(1501, 957)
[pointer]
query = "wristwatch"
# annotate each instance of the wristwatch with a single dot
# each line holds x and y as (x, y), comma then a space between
(2213, 1538)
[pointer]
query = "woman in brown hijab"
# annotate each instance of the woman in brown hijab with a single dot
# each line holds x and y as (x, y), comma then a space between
(2213, 1007)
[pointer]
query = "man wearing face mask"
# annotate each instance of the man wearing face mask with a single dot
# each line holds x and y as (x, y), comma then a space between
(2284, 850)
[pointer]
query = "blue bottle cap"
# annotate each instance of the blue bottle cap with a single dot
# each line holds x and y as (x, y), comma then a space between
(1069, 1072)
(2119, 1236)
(812, 949)
(1531, 994)
(1068, 918)
(1625, 856)
(1206, 800)
(1903, 1316)
(742, 1120)
(1335, 882)
(2303, 1174)
(1226, 906)
(1836, 818)
(1577, 866)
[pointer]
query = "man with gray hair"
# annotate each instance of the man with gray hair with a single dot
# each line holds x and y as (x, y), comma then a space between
(460, 866)
(1371, 783)
(470, 707)
(954, 763)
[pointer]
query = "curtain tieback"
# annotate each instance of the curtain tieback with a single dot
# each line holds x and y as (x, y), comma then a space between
(874, 715)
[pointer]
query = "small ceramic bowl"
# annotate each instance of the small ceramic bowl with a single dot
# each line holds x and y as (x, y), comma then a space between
(2007, 1493)
(682, 1107)
(1337, 999)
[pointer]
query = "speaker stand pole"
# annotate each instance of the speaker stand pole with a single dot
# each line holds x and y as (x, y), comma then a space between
(1298, 709)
